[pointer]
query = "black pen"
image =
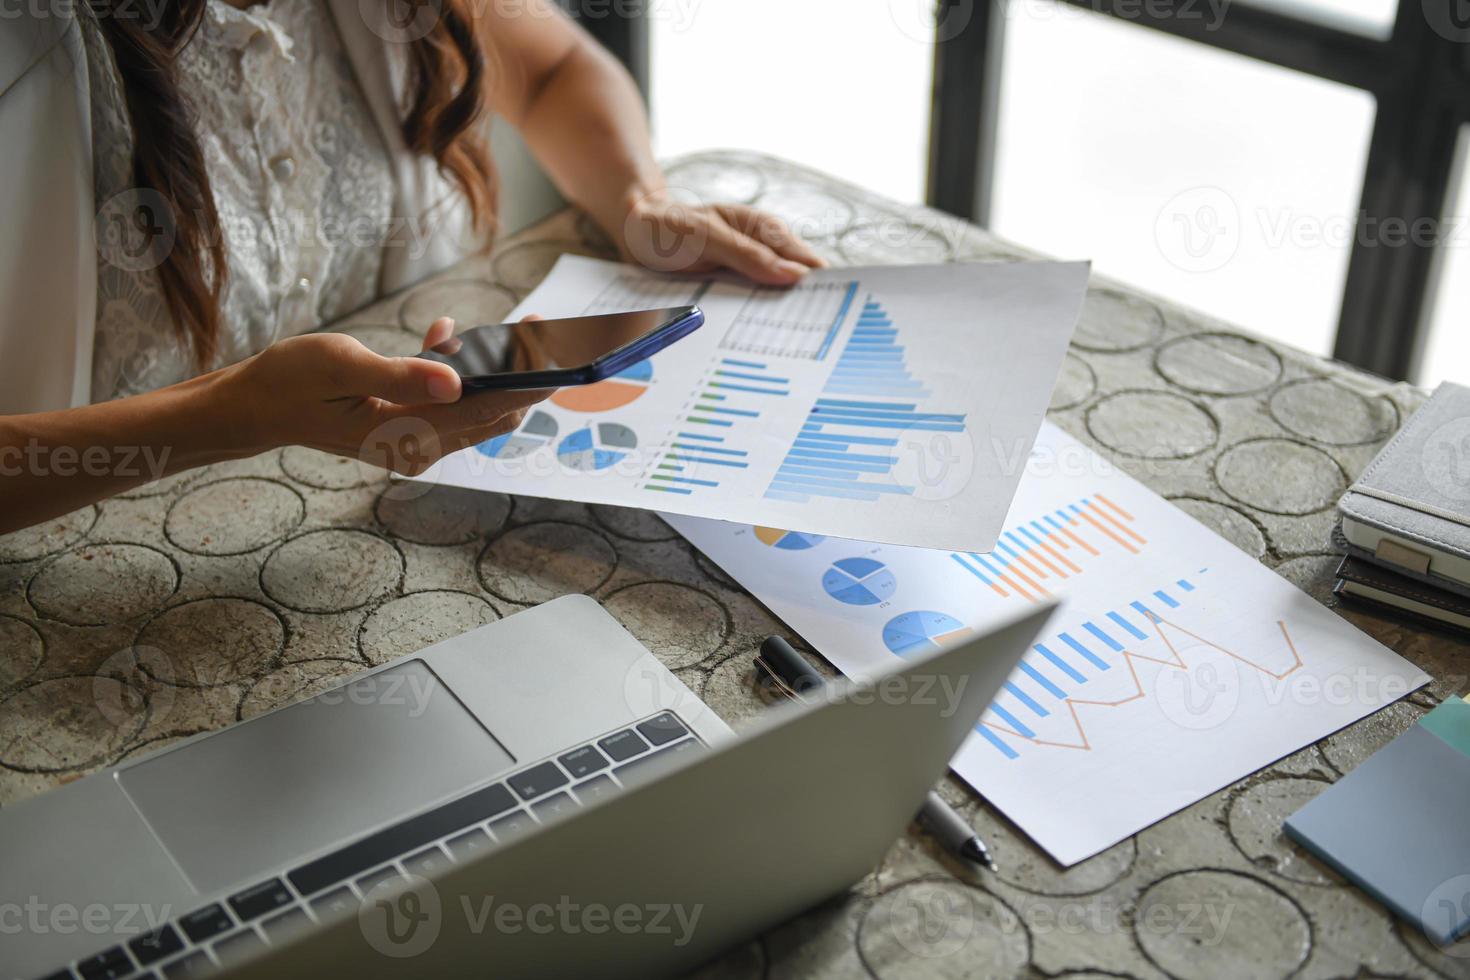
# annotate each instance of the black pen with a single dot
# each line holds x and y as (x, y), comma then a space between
(791, 674)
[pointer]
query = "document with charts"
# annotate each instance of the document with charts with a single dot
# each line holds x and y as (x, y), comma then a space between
(1175, 666)
(894, 403)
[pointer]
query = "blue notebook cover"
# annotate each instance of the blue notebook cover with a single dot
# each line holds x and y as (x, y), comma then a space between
(1398, 826)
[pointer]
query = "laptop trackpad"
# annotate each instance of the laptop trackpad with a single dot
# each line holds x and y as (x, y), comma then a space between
(263, 794)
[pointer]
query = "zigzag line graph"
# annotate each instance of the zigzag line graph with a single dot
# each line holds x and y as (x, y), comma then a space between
(1175, 659)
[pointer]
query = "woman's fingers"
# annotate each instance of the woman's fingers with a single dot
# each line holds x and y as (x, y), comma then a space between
(772, 232)
(351, 370)
(475, 411)
(728, 246)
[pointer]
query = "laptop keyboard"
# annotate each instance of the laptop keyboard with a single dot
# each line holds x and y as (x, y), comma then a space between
(331, 887)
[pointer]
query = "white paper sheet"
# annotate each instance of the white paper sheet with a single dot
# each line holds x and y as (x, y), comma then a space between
(1176, 665)
(894, 403)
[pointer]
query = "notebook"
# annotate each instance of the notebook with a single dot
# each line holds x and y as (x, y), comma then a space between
(1379, 585)
(1398, 825)
(1411, 507)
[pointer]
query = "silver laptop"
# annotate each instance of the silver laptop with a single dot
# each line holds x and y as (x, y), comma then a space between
(538, 796)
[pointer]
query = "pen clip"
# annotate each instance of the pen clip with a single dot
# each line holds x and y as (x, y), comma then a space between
(775, 679)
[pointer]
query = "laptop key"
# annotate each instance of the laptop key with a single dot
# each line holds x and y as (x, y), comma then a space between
(597, 788)
(469, 844)
(62, 974)
(339, 903)
(279, 928)
(368, 882)
(663, 728)
(256, 901)
(555, 807)
(196, 964)
(584, 761)
(106, 965)
(393, 841)
(201, 924)
(154, 946)
(538, 780)
(655, 762)
(426, 863)
(512, 826)
(623, 745)
(238, 946)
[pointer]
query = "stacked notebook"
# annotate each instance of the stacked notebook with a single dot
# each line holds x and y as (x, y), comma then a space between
(1406, 521)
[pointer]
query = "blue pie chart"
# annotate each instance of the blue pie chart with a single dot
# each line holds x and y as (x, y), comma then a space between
(596, 447)
(923, 631)
(859, 581)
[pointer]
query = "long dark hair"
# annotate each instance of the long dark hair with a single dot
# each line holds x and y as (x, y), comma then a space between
(449, 75)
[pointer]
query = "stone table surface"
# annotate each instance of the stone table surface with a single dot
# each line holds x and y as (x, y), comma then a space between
(188, 604)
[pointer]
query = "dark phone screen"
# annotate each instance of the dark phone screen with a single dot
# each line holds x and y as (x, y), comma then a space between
(542, 345)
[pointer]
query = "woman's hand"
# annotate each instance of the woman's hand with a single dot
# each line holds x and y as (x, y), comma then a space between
(329, 392)
(666, 235)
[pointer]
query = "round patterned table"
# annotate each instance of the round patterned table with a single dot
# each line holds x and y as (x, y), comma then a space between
(215, 595)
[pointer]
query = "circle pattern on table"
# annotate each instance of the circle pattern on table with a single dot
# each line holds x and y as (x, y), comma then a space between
(1227, 522)
(331, 570)
(469, 302)
(1325, 411)
(328, 471)
(1255, 820)
(48, 537)
(68, 723)
(859, 581)
(21, 650)
(206, 520)
(788, 540)
(623, 388)
(596, 447)
(103, 584)
(1304, 479)
(919, 926)
(1076, 384)
(214, 641)
(420, 619)
(1114, 322)
(923, 631)
(440, 515)
(1152, 425)
(1265, 935)
(810, 211)
(739, 183)
(1218, 364)
(894, 242)
(683, 623)
(537, 562)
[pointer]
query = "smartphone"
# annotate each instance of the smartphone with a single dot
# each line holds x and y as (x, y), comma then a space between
(579, 350)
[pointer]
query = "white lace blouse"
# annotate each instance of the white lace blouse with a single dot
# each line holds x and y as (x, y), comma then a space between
(300, 175)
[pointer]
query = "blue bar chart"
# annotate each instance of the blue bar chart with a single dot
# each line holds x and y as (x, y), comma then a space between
(710, 442)
(872, 362)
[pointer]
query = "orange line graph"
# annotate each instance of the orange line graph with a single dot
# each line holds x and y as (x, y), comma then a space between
(1173, 660)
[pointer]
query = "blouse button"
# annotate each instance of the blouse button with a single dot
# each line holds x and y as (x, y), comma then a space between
(283, 167)
(302, 286)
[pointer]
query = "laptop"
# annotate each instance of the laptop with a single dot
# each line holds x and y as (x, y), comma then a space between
(537, 796)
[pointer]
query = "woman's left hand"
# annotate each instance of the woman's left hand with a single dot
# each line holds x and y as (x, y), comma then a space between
(667, 235)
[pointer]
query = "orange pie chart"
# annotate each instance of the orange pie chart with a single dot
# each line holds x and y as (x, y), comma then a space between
(604, 396)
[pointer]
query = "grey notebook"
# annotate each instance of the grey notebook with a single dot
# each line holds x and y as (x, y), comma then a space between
(1399, 825)
(1411, 507)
